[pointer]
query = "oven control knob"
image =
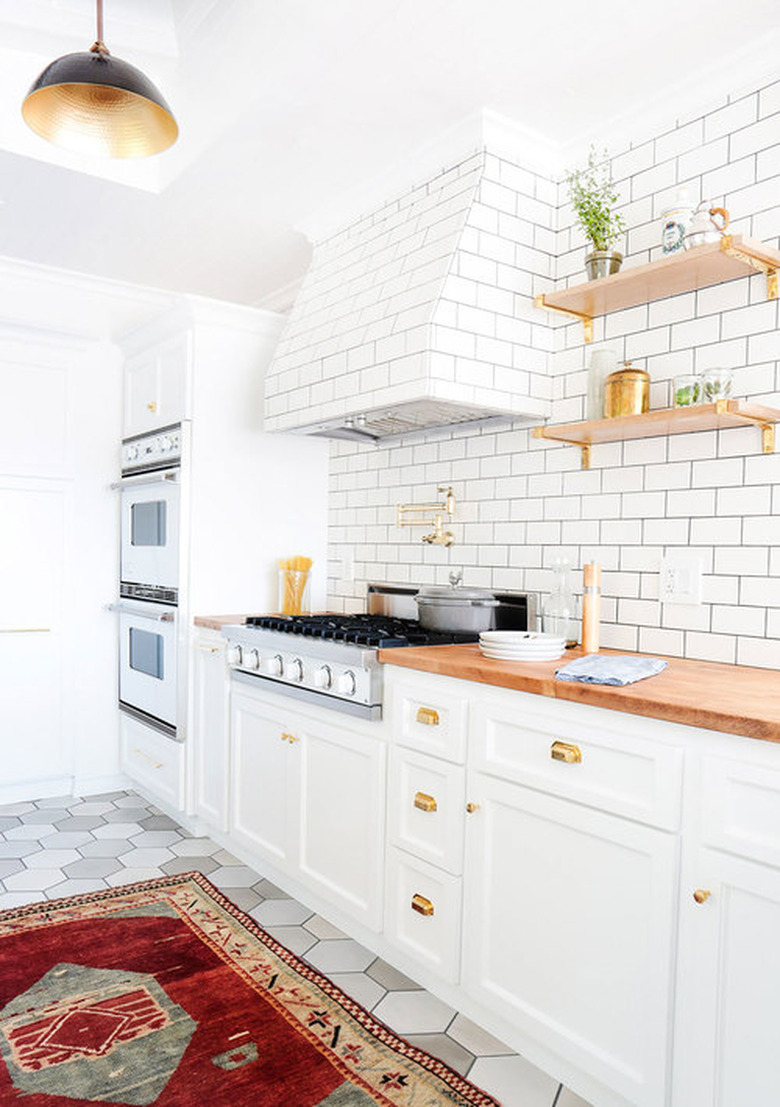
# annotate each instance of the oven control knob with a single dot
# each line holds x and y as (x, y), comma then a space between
(132, 453)
(272, 666)
(234, 654)
(165, 444)
(251, 659)
(293, 670)
(323, 678)
(347, 684)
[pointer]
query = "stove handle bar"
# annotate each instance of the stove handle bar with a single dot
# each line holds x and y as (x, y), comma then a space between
(142, 612)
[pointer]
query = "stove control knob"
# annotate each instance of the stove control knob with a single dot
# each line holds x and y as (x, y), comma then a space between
(251, 659)
(294, 669)
(347, 684)
(132, 453)
(165, 444)
(234, 654)
(323, 678)
(272, 666)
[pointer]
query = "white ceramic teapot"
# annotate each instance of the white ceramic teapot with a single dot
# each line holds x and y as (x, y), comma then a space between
(707, 225)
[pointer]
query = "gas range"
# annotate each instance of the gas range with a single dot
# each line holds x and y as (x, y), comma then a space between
(331, 660)
(326, 659)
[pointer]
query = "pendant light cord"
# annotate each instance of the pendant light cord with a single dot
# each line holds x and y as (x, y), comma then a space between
(99, 47)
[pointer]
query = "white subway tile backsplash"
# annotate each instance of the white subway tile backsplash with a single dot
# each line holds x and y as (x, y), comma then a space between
(519, 498)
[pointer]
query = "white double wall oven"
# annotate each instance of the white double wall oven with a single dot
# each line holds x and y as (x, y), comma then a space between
(151, 553)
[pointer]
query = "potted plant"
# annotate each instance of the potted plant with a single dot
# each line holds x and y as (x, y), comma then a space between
(593, 196)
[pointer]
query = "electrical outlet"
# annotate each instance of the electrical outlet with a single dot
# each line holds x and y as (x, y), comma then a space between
(680, 579)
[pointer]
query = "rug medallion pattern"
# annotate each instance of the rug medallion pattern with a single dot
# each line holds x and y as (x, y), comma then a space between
(166, 993)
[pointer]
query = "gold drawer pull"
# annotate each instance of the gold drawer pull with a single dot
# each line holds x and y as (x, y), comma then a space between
(152, 406)
(421, 905)
(145, 757)
(701, 895)
(562, 751)
(472, 807)
(427, 716)
(289, 737)
(424, 802)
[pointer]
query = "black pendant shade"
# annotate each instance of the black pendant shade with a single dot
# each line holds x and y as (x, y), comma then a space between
(94, 103)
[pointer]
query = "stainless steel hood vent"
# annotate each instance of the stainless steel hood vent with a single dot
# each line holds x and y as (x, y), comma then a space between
(409, 418)
(421, 315)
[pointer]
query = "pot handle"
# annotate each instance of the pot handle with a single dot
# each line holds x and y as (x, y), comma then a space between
(723, 213)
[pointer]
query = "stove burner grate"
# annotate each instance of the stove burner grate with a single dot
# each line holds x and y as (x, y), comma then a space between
(374, 631)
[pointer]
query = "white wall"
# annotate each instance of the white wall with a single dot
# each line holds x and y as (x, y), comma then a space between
(522, 501)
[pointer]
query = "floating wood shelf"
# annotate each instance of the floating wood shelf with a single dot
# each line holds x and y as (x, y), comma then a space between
(733, 256)
(673, 420)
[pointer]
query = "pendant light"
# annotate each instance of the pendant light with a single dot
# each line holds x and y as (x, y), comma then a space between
(94, 103)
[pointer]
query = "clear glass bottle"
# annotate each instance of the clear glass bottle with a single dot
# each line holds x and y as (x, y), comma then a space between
(559, 609)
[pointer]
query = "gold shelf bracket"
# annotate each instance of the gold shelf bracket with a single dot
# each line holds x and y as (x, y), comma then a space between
(767, 429)
(586, 320)
(541, 432)
(728, 247)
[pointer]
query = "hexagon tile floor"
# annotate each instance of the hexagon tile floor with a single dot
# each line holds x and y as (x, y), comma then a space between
(59, 847)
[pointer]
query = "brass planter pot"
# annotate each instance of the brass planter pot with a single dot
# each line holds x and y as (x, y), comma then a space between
(601, 263)
(626, 392)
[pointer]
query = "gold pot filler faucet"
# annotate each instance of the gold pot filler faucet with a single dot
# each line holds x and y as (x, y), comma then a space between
(436, 513)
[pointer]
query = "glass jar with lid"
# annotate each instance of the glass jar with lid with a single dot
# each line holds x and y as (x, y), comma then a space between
(559, 609)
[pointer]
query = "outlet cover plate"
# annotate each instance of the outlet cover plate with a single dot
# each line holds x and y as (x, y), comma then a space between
(680, 578)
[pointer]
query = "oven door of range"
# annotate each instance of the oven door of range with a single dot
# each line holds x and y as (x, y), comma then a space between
(150, 529)
(148, 662)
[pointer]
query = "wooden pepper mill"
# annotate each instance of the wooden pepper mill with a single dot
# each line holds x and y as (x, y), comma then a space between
(591, 607)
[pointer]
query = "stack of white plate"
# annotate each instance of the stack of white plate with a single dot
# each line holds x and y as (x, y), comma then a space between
(521, 645)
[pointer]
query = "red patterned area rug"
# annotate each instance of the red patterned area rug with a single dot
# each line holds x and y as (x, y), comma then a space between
(166, 993)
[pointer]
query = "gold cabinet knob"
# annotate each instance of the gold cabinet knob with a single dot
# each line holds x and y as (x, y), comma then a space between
(701, 895)
(427, 716)
(289, 737)
(472, 807)
(152, 406)
(563, 751)
(424, 802)
(421, 904)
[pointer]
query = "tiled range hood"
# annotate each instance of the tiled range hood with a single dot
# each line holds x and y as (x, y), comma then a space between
(420, 315)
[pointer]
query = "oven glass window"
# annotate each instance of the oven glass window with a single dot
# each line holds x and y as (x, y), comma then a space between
(147, 523)
(147, 653)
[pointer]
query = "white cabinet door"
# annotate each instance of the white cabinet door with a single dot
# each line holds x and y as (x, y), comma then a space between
(264, 774)
(342, 818)
(156, 386)
(32, 563)
(569, 925)
(209, 729)
(726, 1050)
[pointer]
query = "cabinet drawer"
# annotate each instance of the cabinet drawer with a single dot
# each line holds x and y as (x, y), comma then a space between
(609, 769)
(433, 723)
(425, 808)
(422, 916)
(154, 761)
(741, 808)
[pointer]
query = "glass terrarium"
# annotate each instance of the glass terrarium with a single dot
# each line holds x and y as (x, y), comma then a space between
(687, 390)
(716, 384)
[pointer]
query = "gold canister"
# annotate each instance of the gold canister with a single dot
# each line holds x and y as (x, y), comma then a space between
(626, 392)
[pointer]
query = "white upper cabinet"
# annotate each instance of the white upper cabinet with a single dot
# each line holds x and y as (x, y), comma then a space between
(157, 385)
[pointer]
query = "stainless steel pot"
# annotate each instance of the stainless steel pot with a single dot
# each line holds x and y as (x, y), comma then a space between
(455, 610)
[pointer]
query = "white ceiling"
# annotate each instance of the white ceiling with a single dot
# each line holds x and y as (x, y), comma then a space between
(285, 107)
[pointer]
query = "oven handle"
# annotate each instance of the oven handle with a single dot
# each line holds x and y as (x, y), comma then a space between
(140, 481)
(143, 612)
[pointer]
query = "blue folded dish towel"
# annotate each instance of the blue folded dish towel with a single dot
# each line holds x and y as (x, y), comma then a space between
(596, 668)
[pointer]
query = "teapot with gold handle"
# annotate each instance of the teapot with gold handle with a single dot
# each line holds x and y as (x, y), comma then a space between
(708, 224)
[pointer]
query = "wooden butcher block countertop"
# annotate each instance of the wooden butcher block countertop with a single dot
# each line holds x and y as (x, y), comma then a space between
(732, 698)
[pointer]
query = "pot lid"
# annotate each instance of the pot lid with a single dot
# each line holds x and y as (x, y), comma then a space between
(454, 593)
